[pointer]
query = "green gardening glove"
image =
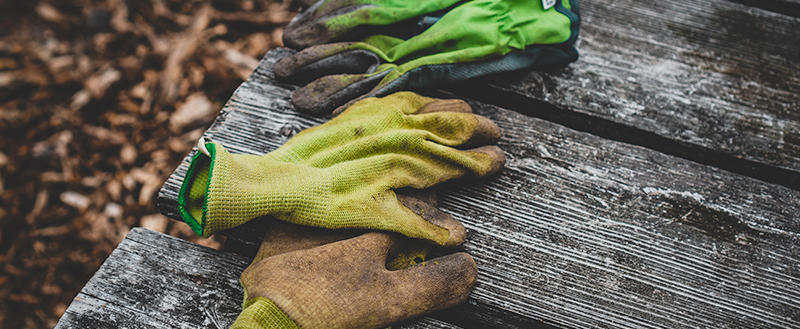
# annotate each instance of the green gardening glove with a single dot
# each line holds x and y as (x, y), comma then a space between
(347, 284)
(328, 21)
(476, 38)
(344, 173)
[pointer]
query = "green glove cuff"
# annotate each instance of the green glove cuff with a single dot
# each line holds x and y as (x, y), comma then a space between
(262, 313)
(193, 192)
(223, 190)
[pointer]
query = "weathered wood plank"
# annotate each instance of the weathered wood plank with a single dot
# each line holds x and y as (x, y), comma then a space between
(580, 231)
(714, 81)
(785, 7)
(156, 281)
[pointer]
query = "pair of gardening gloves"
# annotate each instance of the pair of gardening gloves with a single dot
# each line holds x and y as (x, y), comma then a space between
(349, 173)
(352, 49)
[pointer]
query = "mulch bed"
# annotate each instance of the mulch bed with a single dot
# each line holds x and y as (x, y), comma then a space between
(99, 102)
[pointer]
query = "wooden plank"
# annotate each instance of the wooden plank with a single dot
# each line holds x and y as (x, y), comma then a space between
(713, 81)
(153, 280)
(580, 231)
(785, 7)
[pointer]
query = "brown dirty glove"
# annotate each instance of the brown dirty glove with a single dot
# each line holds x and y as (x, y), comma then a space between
(347, 284)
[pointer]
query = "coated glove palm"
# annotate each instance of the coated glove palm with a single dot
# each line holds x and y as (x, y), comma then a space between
(476, 38)
(347, 284)
(343, 174)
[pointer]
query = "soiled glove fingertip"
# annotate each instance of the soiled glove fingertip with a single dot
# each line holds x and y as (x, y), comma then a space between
(497, 162)
(457, 233)
(445, 105)
(486, 131)
(299, 36)
(457, 273)
(284, 67)
(306, 101)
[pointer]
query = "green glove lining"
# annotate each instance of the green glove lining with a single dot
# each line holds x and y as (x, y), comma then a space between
(192, 199)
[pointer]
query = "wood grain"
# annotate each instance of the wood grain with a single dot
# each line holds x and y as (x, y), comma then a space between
(153, 280)
(580, 231)
(714, 81)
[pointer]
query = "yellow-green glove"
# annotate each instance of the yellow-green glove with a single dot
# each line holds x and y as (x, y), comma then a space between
(343, 174)
(347, 284)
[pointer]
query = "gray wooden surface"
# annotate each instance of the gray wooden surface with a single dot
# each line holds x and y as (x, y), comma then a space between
(153, 280)
(714, 81)
(652, 184)
(580, 231)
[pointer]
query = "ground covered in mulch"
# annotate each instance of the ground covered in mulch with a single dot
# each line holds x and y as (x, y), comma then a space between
(99, 102)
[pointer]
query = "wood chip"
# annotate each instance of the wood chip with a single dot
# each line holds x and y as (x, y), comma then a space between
(113, 210)
(114, 189)
(80, 99)
(185, 45)
(98, 84)
(155, 222)
(52, 230)
(7, 64)
(106, 135)
(119, 19)
(150, 183)
(49, 13)
(6, 78)
(128, 154)
(38, 206)
(75, 200)
(196, 107)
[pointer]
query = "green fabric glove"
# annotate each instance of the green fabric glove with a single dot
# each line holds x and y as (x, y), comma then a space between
(333, 20)
(347, 284)
(343, 174)
(476, 38)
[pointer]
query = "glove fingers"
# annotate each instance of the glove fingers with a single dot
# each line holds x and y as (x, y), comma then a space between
(445, 105)
(311, 27)
(457, 129)
(338, 20)
(324, 94)
(434, 285)
(316, 62)
(434, 216)
(416, 165)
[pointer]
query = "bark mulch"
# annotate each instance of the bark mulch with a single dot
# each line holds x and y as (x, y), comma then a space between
(99, 102)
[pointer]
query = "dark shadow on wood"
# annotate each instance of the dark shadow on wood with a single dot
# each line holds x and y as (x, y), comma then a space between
(476, 315)
(627, 134)
(785, 7)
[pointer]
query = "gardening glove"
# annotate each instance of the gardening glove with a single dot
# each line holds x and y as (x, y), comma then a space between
(283, 237)
(328, 21)
(347, 284)
(343, 174)
(476, 38)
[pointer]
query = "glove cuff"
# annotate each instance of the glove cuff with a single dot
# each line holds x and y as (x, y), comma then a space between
(223, 190)
(193, 195)
(262, 313)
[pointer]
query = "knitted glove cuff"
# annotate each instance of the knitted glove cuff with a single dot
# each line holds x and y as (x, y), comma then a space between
(223, 190)
(192, 198)
(262, 313)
